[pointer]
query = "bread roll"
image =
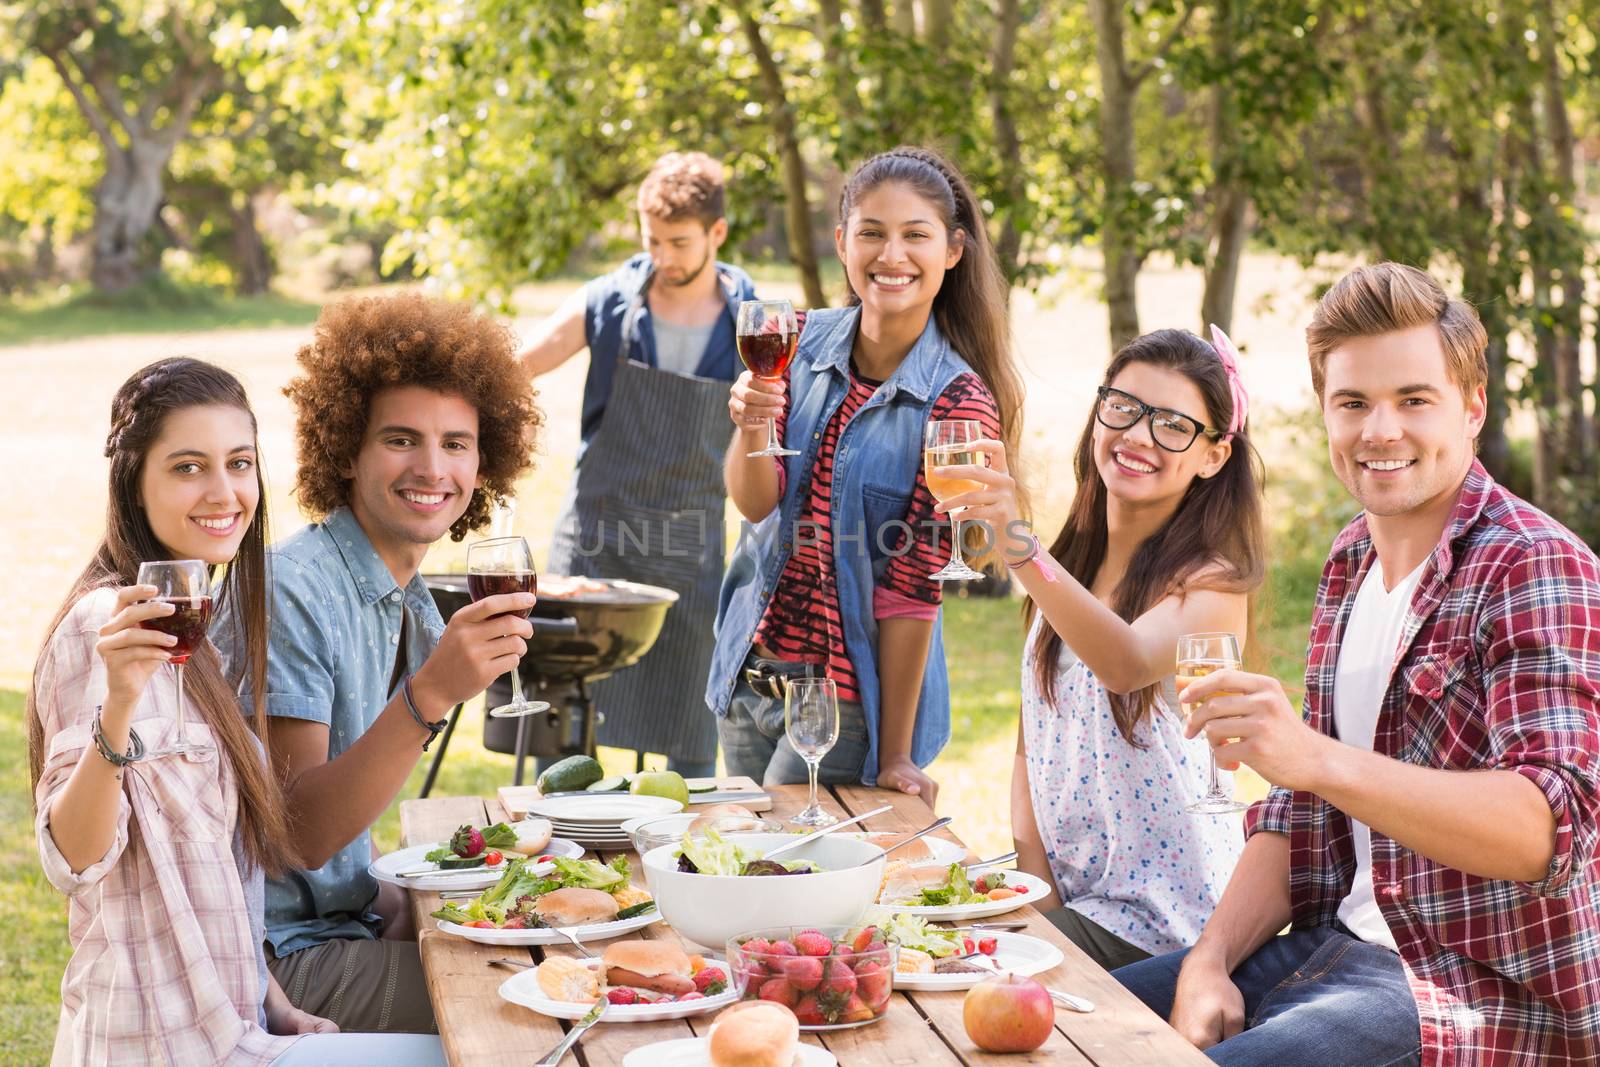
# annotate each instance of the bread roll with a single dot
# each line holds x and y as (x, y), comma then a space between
(575, 907)
(563, 978)
(754, 1033)
(915, 854)
(727, 818)
(533, 835)
(646, 957)
(902, 881)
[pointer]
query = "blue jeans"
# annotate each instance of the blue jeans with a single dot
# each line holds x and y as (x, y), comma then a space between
(1315, 997)
(753, 741)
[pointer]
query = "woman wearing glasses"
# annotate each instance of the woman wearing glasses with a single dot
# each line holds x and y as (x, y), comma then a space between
(1164, 538)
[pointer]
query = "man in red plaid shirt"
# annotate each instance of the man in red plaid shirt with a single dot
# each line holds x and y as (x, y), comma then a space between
(1432, 827)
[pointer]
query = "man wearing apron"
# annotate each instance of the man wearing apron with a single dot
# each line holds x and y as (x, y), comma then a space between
(647, 499)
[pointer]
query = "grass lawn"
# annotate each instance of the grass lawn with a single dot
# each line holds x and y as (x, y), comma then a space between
(166, 308)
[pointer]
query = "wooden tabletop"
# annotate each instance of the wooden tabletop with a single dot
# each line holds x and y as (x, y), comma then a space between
(481, 1030)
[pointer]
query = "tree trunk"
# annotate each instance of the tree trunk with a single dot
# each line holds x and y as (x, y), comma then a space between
(252, 259)
(126, 201)
(1478, 262)
(797, 213)
(1230, 219)
(1119, 227)
(1007, 144)
(904, 14)
(1568, 255)
(938, 16)
(872, 16)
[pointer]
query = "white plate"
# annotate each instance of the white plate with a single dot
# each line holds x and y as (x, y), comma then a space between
(691, 1052)
(523, 989)
(601, 809)
(944, 852)
(535, 936)
(1017, 953)
(384, 867)
(1037, 890)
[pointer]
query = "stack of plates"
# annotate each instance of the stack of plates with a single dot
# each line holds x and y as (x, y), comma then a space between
(596, 822)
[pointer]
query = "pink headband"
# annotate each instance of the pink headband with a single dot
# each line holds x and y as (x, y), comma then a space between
(1230, 363)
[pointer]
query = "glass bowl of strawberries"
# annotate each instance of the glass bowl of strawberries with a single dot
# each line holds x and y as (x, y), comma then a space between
(831, 977)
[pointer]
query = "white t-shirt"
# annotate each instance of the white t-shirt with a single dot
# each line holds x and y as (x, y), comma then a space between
(1366, 656)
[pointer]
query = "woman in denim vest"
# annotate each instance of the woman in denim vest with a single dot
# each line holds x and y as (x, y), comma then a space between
(833, 576)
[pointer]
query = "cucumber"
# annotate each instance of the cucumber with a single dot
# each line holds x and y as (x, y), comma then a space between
(572, 774)
(618, 784)
(703, 788)
(457, 863)
(636, 909)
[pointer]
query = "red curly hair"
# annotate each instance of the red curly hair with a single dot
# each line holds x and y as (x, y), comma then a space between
(364, 345)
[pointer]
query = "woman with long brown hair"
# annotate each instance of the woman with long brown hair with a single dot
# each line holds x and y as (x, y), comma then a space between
(1164, 538)
(839, 577)
(162, 852)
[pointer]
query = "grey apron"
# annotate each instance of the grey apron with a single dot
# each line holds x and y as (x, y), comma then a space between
(646, 504)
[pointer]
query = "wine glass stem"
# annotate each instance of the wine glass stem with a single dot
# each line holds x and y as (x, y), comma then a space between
(183, 722)
(772, 434)
(516, 686)
(1215, 790)
(812, 766)
(955, 540)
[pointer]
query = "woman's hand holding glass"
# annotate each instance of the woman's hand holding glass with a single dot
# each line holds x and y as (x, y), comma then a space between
(131, 653)
(753, 401)
(995, 505)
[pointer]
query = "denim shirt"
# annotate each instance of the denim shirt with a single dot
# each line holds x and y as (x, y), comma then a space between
(874, 470)
(335, 630)
(608, 299)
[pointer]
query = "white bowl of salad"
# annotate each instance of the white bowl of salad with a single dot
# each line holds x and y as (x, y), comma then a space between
(711, 887)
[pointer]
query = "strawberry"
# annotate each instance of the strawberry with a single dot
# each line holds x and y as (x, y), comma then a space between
(867, 935)
(813, 943)
(1020, 889)
(515, 921)
(622, 995)
(803, 972)
(779, 991)
(873, 982)
(987, 946)
(809, 1012)
(757, 945)
(710, 981)
(493, 858)
(782, 948)
(481, 924)
(855, 1011)
(981, 885)
(967, 947)
(839, 984)
(542, 859)
(874, 948)
(467, 842)
(691, 996)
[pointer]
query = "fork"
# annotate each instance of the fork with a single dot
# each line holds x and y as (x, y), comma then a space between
(579, 1028)
(1067, 1000)
(572, 937)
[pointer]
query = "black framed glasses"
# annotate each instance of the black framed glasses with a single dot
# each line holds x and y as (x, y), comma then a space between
(1171, 430)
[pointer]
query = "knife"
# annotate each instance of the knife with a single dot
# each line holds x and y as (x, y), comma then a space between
(554, 1056)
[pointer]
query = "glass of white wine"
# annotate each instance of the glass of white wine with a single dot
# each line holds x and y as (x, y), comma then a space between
(1198, 656)
(948, 443)
(811, 721)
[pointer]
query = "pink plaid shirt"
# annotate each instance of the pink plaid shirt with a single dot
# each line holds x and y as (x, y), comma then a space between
(1499, 668)
(163, 968)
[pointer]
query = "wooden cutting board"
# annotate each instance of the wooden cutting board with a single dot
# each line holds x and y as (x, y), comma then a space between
(746, 791)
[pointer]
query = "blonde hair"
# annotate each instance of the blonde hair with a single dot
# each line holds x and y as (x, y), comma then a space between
(1387, 297)
(683, 185)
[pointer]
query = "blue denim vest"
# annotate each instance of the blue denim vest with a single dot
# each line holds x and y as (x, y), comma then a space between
(874, 469)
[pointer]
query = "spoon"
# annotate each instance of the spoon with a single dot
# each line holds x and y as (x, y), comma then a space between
(808, 838)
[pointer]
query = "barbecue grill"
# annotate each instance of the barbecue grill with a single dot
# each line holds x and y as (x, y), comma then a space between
(602, 627)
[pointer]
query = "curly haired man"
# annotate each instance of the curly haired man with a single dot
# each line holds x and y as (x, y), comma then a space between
(412, 421)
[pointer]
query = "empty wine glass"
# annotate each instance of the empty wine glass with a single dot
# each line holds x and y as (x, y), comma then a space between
(1198, 656)
(811, 722)
(186, 585)
(505, 565)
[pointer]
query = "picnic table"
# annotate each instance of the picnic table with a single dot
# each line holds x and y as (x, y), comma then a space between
(481, 1030)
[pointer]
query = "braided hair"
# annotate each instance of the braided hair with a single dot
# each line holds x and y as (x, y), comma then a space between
(139, 412)
(971, 307)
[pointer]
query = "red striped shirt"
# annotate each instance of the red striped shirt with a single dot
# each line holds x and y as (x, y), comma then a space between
(802, 622)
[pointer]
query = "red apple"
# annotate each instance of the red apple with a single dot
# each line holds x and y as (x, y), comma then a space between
(1007, 1013)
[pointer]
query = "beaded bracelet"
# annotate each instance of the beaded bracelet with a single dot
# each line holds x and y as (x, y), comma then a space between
(118, 760)
(433, 728)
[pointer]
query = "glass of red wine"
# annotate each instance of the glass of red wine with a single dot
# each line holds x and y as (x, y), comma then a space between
(186, 585)
(768, 337)
(505, 565)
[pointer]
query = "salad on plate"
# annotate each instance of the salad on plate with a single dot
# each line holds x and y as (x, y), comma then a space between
(513, 903)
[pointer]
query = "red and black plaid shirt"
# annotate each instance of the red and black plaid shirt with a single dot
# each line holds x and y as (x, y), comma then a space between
(802, 623)
(1499, 669)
